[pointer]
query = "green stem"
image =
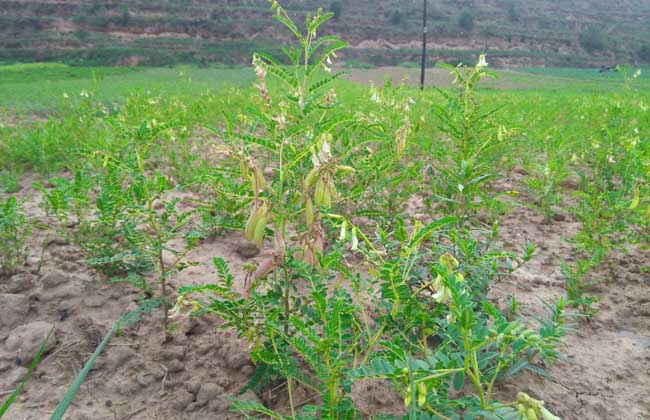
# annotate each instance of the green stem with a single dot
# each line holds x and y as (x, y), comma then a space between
(290, 390)
(472, 371)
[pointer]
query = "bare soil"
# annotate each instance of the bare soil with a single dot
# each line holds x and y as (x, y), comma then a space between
(605, 373)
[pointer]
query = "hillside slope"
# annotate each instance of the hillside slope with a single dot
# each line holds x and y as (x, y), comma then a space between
(382, 32)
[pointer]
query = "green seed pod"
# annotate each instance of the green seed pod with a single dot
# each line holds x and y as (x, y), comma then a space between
(327, 195)
(260, 183)
(251, 223)
(531, 414)
(522, 397)
(422, 388)
(260, 227)
(422, 399)
(521, 409)
(243, 169)
(332, 189)
(309, 212)
(407, 400)
(546, 415)
(346, 169)
(311, 177)
(319, 193)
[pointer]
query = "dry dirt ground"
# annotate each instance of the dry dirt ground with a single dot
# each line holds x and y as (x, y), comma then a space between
(605, 373)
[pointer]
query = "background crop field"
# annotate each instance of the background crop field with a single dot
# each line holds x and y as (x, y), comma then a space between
(559, 214)
(40, 87)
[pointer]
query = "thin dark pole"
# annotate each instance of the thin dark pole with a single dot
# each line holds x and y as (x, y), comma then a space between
(424, 45)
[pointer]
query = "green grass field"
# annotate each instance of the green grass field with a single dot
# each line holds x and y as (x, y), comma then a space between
(41, 87)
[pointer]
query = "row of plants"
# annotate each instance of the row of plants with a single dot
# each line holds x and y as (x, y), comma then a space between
(593, 166)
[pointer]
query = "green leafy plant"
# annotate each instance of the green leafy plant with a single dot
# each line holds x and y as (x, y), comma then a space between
(153, 219)
(9, 181)
(293, 134)
(465, 165)
(609, 170)
(15, 228)
(547, 175)
(322, 338)
(385, 178)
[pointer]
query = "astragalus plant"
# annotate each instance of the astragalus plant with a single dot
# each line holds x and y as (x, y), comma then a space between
(15, 228)
(416, 314)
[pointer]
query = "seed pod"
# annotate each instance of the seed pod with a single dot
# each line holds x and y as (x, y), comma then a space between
(322, 194)
(546, 415)
(311, 177)
(243, 169)
(263, 269)
(259, 183)
(522, 397)
(346, 169)
(422, 399)
(251, 223)
(260, 227)
(407, 400)
(327, 198)
(332, 190)
(319, 193)
(521, 409)
(531, 414)
(422, 388)
(309, 212)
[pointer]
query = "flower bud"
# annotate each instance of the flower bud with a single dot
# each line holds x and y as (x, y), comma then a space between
(355, 240)
(344, 226)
